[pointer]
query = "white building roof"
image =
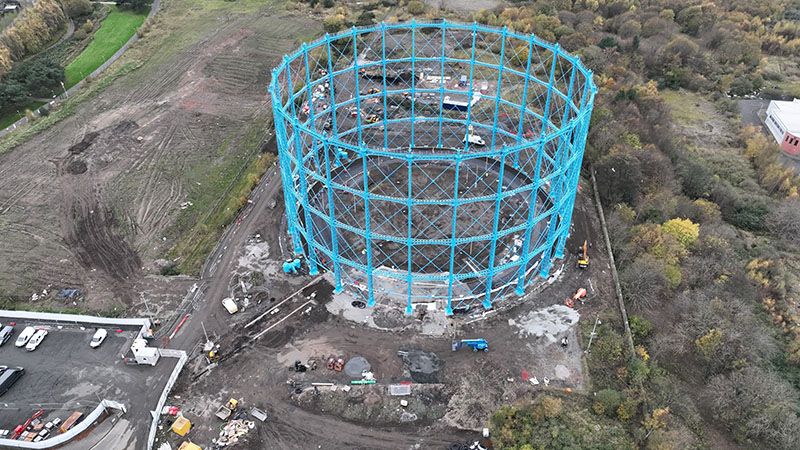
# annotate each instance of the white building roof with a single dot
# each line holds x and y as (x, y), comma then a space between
(789, 114)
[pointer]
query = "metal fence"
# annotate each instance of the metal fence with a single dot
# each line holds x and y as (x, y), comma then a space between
(63, 438)
(182, 357)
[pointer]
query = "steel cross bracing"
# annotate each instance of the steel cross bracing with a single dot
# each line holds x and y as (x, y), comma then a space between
(431, 160)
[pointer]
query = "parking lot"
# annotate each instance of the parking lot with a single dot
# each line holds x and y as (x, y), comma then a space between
(64, 375)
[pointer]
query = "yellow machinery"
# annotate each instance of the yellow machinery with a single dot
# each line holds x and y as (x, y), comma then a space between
(583, 258)
(181, 426)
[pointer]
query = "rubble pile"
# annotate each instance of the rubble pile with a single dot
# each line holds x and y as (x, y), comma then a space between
(232, 431)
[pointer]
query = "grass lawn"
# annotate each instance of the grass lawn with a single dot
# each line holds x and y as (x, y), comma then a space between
(685, 106)
(8, 119)
(115, 31)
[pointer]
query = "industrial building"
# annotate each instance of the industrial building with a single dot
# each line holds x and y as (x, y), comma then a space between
(783, 122)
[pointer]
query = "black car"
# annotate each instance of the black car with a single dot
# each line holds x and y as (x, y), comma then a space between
(5, 334)
(9, 377)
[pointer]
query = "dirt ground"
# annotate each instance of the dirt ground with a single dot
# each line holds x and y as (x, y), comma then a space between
(93, 201)
(449, 404)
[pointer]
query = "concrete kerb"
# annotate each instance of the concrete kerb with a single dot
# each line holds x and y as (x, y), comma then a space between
(75, 319)
(63, 438)
(38, 112)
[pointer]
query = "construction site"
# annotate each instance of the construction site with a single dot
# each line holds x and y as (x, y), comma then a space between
(422, 255)
(419, 253)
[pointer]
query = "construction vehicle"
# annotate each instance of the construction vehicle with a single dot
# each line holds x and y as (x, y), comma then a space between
(473, 138)
(225, 411)
(583, 258)
(330, 364)
(475, 344)
(579, 295)
(339, 365)
(373, 118)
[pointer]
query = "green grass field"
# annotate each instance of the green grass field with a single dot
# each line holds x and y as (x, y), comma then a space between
(115, 31)
(12, 117)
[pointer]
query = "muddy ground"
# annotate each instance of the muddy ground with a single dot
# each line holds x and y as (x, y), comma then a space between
(95, 200)
(446, 405)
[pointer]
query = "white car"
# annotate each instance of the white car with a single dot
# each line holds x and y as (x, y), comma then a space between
(230, 305)
(36, 340)
(98, 338)
(25, 336)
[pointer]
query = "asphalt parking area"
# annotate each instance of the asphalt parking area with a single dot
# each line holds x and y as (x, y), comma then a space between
(64, 375)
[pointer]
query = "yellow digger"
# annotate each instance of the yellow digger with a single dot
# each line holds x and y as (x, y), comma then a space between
(583, 258)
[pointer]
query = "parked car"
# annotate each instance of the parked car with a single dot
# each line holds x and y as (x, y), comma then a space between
(25, 336)
(5, 334)
(36, 340)
(98, 338)
(9, 377)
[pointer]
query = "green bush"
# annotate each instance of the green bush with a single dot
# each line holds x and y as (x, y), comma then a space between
(415, 7)
(607, 401)
(640, 328)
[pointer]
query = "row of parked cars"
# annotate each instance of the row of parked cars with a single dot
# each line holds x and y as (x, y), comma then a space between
(30, 338)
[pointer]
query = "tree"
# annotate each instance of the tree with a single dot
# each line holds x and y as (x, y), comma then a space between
(76, 8)
(333, 24)
(690, 19)
(683, 230)
(682, 47)
(784, 220)
(415, 7)
(140, 6)
(630, 28)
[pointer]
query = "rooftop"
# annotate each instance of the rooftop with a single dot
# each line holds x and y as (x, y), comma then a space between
(788, 112)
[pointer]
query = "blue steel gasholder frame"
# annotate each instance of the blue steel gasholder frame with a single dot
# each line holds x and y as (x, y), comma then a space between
(431, 161)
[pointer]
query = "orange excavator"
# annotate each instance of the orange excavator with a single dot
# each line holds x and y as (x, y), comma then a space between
(583, 258)
(578, 296)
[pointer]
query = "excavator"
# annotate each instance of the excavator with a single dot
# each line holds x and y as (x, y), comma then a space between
(583, 258)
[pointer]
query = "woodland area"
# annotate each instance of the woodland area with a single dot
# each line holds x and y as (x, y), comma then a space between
(704, 230)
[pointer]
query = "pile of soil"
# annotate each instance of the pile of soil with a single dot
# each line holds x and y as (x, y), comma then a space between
(425, 367)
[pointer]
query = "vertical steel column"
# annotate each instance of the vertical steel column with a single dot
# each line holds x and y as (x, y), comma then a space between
(298, 247)
(313, 117)
(364, 165)
(409, 205)
(569, 142)
(524, 105)
(579, 142)
(334, 122)
(499, 84)
(385, 92)
(449, 309)
(487, 301)
(469, 92)
(441, 82)
(312, 253)
(551, 231)
(337, 268)
(413, 78)
(535, 191)
(284, 161)
(358, 91)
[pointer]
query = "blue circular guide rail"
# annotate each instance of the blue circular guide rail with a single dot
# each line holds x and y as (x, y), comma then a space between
(430, 163)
